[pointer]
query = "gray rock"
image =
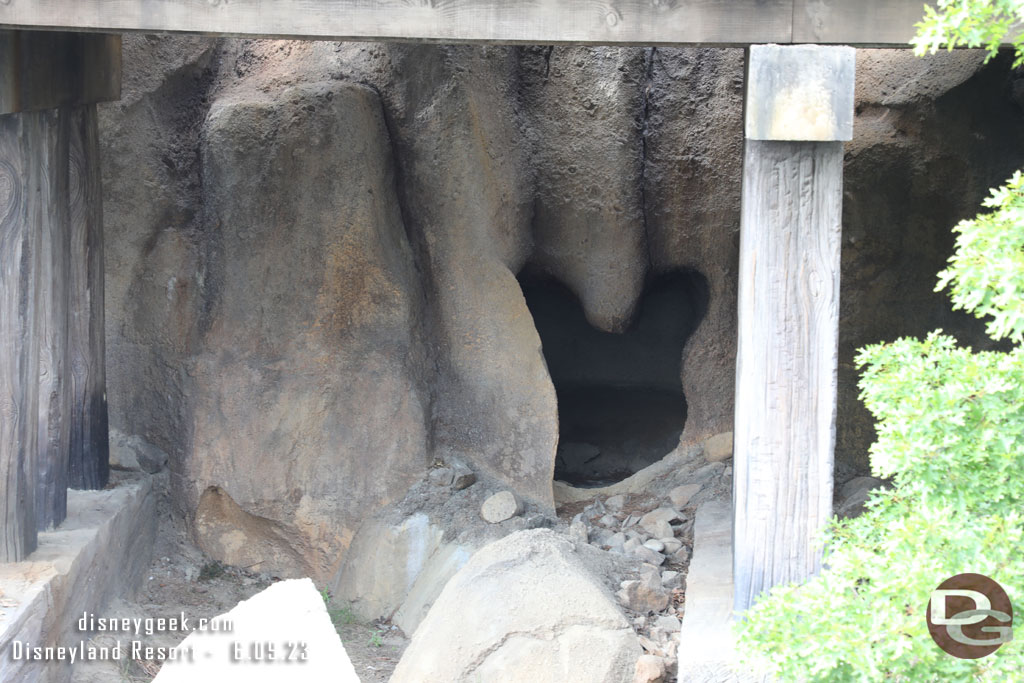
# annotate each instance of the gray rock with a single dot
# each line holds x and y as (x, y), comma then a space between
(644, 595)
(670, 579)
(631, 544)
(655, 545)
(501, 506)
(463, 477)
(609, 521)
(441, 476)
(578, 531)
(668, 623)
(671, 545)
(681, 556)
(648, 555)
(615, 503)
(681, 495)
(505, 616)
(854, 494)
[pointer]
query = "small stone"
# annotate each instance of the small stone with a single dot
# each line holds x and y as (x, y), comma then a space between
(718, 447)
(727, 472)
(669, 578)
(578, 531)
(648, 555)
(463, 477)
(671, 545)
(615, 503)
(681, 556)
(630, 521)
(656, 522)
(501, 506)
(536, 521)
(681, 495)
(649, 645)
(644, 595)
(667, 623)
(707, 472)
(649, 669)
(609, 521)
(631, 544)
(441, 476)
(600, 537)
(655, 545)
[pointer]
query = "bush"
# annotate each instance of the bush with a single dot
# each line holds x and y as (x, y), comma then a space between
(950, 426)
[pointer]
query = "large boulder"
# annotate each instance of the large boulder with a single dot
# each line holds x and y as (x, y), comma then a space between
(309, 409)
(524, 608)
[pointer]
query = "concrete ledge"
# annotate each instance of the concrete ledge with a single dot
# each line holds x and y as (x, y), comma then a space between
(706, 648)
(101, 551)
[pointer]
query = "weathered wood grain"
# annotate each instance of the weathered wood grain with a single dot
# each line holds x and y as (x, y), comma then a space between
(25, 150)
(786, 360)
(643, 22)
(875, 23)
(647, 22)
(89, 450)
(52, 336)
(47, 69)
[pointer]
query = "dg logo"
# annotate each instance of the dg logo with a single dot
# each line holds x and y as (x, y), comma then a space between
(970, 616)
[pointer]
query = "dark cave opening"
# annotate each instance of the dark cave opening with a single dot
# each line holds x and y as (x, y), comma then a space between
(621, 405)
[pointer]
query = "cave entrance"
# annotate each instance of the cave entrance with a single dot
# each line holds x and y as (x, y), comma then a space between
(620, 396)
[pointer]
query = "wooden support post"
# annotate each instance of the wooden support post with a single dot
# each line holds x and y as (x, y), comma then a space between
(89, 457)
(52, 335)
(52, 398)
(799, 110)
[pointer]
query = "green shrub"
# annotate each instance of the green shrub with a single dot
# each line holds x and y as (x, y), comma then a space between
(950, 426)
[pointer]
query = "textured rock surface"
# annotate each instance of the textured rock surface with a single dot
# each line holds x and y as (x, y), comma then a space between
(524, 608)
(312, 343)
(313, 247)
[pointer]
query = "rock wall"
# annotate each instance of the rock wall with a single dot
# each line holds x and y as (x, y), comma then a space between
(312, 251)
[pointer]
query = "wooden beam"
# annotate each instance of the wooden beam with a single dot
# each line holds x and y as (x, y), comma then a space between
(52, 302)
(879, 23)
(46, 69)
(631, 22)
(89, 450)
(787, 352)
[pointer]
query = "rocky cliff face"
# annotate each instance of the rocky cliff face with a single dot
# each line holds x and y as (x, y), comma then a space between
(313, 251)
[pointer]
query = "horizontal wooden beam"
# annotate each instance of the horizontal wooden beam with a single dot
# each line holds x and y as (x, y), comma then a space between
(631, 22)
(48, 69)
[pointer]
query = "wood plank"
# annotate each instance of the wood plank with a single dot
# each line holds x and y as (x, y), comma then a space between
(52, 301)
(645, 22)
(89, 456)
(26, 142)
(786, 360)
(47, 69)
(866, 23)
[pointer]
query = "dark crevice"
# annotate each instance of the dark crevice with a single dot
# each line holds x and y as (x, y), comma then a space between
(620, 398)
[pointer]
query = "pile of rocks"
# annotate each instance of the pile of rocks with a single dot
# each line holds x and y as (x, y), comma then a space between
(656, 532)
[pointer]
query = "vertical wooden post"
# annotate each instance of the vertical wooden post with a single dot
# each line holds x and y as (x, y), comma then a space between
(52, 396)
(52, 335)
(799, 109)
(89, 456)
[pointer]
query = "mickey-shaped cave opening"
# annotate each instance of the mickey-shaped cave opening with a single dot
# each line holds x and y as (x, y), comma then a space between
(621, 405)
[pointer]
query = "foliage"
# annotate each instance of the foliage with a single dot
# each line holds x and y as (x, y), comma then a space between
(376, 638)
(211, 570)
(950, 426)
(971, 23)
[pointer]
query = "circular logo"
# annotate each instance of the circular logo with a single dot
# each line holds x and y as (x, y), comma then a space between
(970, 616)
